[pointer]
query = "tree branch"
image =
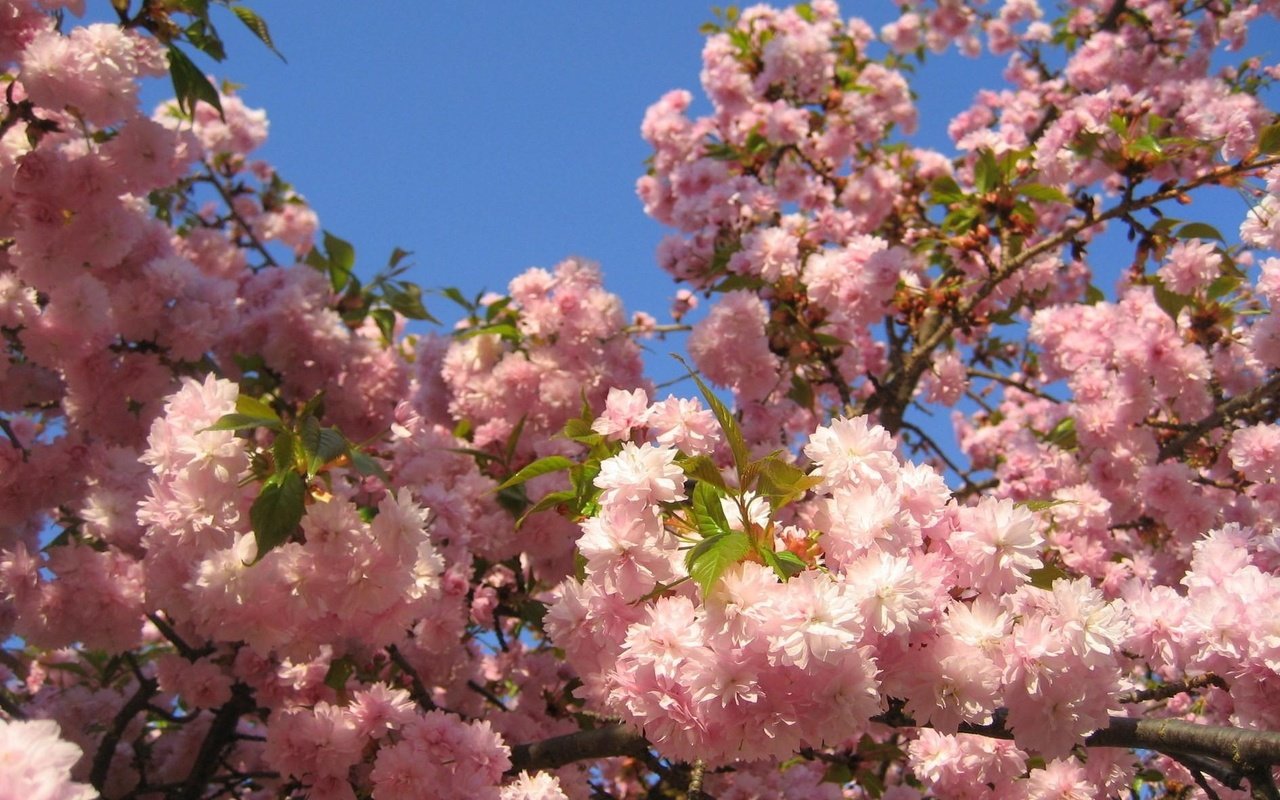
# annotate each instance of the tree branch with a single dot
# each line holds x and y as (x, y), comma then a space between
(1229, 753)
(111, 740)
(606, 742)
(1240, 405)
(221, 734)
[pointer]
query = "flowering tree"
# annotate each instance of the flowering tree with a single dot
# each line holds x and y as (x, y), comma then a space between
(258, 540)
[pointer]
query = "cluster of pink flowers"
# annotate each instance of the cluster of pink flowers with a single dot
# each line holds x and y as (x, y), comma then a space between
(255, 536)
(907, 595)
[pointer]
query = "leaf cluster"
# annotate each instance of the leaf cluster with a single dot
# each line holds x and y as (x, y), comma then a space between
(381, 299)
(301, 451)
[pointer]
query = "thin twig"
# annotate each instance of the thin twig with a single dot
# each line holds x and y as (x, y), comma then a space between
(417, 689)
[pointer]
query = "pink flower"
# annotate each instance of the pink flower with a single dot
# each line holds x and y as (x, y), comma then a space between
(1191, 265)
(35, 764)
(623, 411)
(538, 786)
(643, 475)
(685, 425)
(852, 452)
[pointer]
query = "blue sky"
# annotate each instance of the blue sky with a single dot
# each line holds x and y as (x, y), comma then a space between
(488, 138)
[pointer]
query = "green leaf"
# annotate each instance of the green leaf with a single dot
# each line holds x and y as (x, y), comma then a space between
(782, 483)
(704, 470)
(256, 24)
(398, 254)
(549, 500)
(1269, 140)
(1199, 230)
(1222, 286)
(314, 407)
(946, 191)
(277, 511)
(339, 671)
(366, 464)
(728, 424)
(408, 301)
(204, 38)
(341, 254)
(251, 406)
(1093, 295)
(708, 513)
(712, 556)
(286, 452)
(785, 563)
(579, 430)
(237, 422)
(986, 172)
(456, 296)
(1043, 193)
(542, 466)
(386, 321)
(320, 445)
(1171, 302)
(801, 392)
(1063, 434)
(838, 773)
(827, 340)
(502, 330)
(1044, 577)
(190, 85)
(1147, 144)
(1041, 505)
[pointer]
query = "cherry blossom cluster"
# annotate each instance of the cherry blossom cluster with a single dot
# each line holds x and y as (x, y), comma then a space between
(261, 538)
(897, 592)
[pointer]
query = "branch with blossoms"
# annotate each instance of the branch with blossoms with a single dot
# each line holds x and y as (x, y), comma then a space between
(259, 537)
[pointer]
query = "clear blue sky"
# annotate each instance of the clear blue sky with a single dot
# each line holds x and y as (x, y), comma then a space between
(487, 138)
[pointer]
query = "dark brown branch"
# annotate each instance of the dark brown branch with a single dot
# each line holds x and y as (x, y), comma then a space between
(1242, 753)
(185, 650)
(416, 688)
(1250, 402)
(254, 242)
(221, 734)
(1167, 690)
(111, 740)
(486, 694)
(606, 742)
(891, 399)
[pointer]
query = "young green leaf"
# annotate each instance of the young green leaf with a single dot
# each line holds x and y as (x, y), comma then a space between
(542, 466)
(277, 511)
(286, 452)
(782, 483)
(251, 406)
(728, 424)
(704, 470)
(712, 556)
(341, 254)
(986, 172)
(784, 563)
(237, 422)
(190, 85)
(320, 445)
(256, 24)
(708, 513)
(366, 464)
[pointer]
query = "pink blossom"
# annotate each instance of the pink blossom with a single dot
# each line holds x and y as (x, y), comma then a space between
(623, 411)
(37, 763)
(641, 475)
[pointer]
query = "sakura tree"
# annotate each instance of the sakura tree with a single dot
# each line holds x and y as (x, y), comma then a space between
(260, 537)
